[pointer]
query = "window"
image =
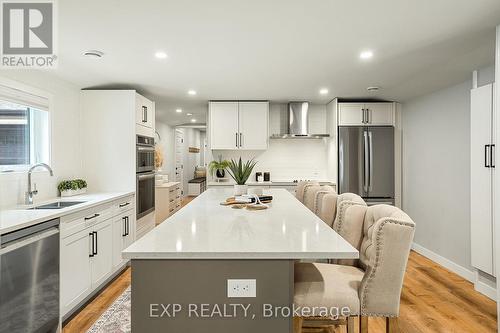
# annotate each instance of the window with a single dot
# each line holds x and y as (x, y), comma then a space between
(24, 131)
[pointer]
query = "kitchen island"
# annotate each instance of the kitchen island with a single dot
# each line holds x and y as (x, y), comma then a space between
(180, 270)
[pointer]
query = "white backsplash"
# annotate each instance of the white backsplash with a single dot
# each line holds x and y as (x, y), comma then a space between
(287, 159)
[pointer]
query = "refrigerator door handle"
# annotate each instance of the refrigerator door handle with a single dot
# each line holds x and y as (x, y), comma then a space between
(365, 161)
(492, 155)
(370, 159)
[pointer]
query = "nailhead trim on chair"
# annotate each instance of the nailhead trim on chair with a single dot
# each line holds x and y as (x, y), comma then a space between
(316, 201)
(341, 210)
(373, 270)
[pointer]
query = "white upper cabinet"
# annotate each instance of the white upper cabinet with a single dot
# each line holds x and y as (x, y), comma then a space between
(224, 125)
(144, 113)
(253, 125)
(380, 114)
(239, 125)
(351, 114)
(366, 114)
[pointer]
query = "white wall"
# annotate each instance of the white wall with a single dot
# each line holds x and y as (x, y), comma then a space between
(65, 159)
(436, 169)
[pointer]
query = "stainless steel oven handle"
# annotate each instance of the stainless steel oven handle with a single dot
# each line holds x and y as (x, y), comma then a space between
(145, 149)
(26, 241)
(147, 176)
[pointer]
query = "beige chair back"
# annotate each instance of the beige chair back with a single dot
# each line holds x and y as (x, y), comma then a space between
(328, 208)
(318, 201)
(383, 235)
(301, 187)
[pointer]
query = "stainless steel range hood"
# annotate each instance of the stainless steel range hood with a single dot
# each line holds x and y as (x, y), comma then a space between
(298, 123)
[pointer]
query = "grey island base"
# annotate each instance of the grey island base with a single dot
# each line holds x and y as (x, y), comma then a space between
(191, 296)
(182, 269)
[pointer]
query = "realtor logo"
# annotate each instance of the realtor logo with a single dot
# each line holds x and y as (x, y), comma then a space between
(28, 34)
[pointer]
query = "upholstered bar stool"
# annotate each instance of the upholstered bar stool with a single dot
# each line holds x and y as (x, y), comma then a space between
(301, 186)
(311, 195)
(370, 288)
(333, 202)
(318, 200)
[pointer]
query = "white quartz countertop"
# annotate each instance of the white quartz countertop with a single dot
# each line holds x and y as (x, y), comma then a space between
(204, 229)
(21, 217)
(277, 182)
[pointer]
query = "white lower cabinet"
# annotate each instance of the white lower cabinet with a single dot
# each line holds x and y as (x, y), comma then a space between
(76, 280)
(102, 260)
(91, 246)
(123, 235)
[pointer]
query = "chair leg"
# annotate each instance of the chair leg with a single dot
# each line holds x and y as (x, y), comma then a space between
(363, 324)
(391, 325)
(297, 324)
(350, 324)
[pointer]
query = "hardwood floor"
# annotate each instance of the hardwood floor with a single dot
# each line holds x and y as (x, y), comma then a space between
(433, 300)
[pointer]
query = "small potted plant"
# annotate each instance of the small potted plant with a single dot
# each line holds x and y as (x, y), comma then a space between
(219, 167)
(240, 172)
(69, 188)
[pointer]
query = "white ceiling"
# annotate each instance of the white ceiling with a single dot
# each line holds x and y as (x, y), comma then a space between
(278, 50)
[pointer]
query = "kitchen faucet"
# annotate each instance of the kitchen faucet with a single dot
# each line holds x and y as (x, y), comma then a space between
(31, 193)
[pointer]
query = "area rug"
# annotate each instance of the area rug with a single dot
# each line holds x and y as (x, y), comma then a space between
(116, 319)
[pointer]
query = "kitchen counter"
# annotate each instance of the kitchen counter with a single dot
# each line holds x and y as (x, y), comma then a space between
(21, 217)
(204, 229)
(278, 182)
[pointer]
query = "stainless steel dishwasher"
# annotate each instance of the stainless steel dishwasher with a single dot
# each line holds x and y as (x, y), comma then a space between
(29, 279)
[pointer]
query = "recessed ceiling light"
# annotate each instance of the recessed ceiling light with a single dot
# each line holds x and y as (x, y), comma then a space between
(178, 110)
(373, 88)
(323, 91)
(94, 54)
(366, 55)
(161, 55)
(192, 92)
(193, 120)
(189, 114)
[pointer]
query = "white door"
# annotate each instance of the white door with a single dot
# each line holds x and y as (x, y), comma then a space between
(179, 157)
(351, 114)
(75, 269)
(102, 261)
(380, 114)
(253, 125)
(481, 179)
(224, 132)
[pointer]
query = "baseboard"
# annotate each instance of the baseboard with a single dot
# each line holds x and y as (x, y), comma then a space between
(486, 290)
(446, 263)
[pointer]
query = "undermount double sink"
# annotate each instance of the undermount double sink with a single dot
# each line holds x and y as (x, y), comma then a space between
(58, 205)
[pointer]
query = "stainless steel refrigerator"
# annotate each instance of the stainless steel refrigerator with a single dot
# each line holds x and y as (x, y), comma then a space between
(366, 162)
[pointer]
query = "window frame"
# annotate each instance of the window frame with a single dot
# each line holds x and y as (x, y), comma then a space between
(27, 89)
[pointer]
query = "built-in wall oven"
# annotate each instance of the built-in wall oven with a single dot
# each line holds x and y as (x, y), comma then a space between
(145, 154)
(145, 186)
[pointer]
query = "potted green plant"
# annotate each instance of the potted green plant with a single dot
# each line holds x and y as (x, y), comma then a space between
(219, 167)
(240, 172)
(72, 187)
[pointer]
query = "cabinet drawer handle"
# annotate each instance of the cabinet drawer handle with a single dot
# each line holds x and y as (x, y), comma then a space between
(91, 217)
(124, 204)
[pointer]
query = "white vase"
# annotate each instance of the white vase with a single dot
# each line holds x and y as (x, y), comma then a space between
(240, 189)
